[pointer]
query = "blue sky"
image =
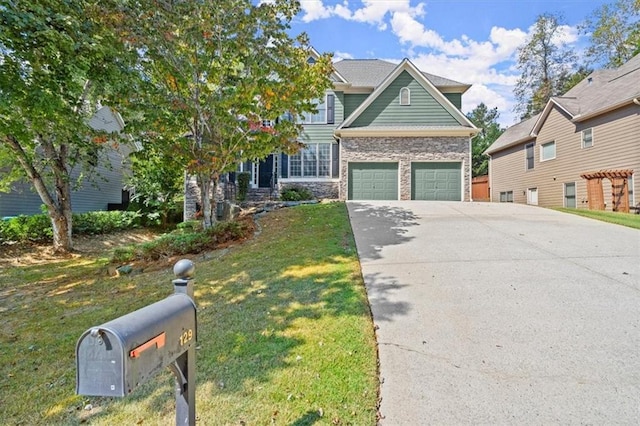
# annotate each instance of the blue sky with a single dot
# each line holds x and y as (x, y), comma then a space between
(471, 41)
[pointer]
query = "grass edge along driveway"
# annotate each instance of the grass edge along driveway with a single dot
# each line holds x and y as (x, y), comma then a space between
(285, 334)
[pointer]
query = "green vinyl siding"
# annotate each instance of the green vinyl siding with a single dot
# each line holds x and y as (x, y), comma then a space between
(353, 101)
(386, 110)
(319, 133)
(455, 99)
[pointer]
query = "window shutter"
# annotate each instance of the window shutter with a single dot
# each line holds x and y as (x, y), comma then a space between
(331, 100)
(284, 166)
(335, 160)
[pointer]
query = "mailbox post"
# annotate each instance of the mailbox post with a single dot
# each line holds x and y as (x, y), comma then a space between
(118, 356)
(184, 367)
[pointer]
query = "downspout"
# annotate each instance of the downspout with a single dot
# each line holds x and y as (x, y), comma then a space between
(490, 178)
(471, 168)
(338, 139)
(636, 101)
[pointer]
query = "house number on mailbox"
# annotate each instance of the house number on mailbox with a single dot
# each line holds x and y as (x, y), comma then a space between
(186, 337)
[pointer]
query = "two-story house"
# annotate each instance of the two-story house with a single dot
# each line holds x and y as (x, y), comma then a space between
(581, 151)
(384, 131)
(105, 192)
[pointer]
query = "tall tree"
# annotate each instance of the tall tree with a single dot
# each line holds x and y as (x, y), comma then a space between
(220, 69)
(615, 33)
(57, 59)
(487, 120)
(545, 63)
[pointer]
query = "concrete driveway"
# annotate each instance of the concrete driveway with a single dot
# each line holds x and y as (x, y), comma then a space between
(501, 313)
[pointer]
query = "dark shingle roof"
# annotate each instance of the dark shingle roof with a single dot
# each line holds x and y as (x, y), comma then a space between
(515, 134)
(372, 72)
(601, 91)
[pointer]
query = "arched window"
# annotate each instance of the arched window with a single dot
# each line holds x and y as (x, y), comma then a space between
(405, 96)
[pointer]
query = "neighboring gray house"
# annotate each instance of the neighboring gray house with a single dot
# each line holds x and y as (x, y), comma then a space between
(90, 196)
(584, 146)
(383, 132)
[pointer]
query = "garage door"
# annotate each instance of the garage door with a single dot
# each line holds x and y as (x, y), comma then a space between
(373, 181)
(436, 181)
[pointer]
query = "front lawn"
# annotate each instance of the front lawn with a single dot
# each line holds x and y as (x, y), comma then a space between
(285, 335)
(626, 219)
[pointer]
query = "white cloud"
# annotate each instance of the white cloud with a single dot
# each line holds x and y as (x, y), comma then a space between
(338, 55)
(489, 85)
(375, 11)
(489, 65)
(314, 10)
(372, 12)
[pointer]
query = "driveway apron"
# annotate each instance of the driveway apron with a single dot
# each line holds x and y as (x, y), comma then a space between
(491, 313)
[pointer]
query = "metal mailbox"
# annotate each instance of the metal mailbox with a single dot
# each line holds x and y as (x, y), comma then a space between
(117, 356)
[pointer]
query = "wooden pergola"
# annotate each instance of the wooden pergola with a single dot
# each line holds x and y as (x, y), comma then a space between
(619, 189)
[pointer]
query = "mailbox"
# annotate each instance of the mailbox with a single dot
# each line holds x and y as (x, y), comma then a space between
(115, 357)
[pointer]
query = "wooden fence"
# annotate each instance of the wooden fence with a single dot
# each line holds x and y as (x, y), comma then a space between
(480, 188)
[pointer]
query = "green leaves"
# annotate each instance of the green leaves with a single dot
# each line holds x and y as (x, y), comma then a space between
(217, 68)
(544, 62)
(58, 59)
(615, 33)
(487, 120)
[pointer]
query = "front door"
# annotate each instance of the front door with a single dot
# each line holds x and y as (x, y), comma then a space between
(265, 173)
(570, 195)
(532, 196)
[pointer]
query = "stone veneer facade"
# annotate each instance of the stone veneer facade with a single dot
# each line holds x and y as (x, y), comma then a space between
(404, 150)
(192, 197)
(321, 190)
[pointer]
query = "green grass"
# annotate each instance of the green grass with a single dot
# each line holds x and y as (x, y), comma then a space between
(625, 219)
(284, 332)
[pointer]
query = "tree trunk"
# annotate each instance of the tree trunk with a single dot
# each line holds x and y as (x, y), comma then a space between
(62, 226)
(204, 181)
(58, 208)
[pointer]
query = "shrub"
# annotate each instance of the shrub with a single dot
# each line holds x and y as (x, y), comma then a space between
(295, 193)
(243, 185)
(94, 223)
(37, 228)
(185, 240)
(190, 226)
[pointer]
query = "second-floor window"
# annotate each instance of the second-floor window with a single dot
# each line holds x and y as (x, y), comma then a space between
(587, 138)
(548, 151)
(325, 112)
(529, 155)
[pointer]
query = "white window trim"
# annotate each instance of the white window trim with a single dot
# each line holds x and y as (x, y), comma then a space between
(325, 114)
(408, 96)
(555, 153)
(312, 178)
(582, 138)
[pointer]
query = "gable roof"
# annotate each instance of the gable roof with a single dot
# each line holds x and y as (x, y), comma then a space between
(514, 135)
(599, 93)
(372, 72)
(465, 127)
(335, 76)
(602, 91)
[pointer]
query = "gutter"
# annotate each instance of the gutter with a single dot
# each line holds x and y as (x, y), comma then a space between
(579, 117)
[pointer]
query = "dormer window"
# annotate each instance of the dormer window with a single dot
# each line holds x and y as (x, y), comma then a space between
(405, 96)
